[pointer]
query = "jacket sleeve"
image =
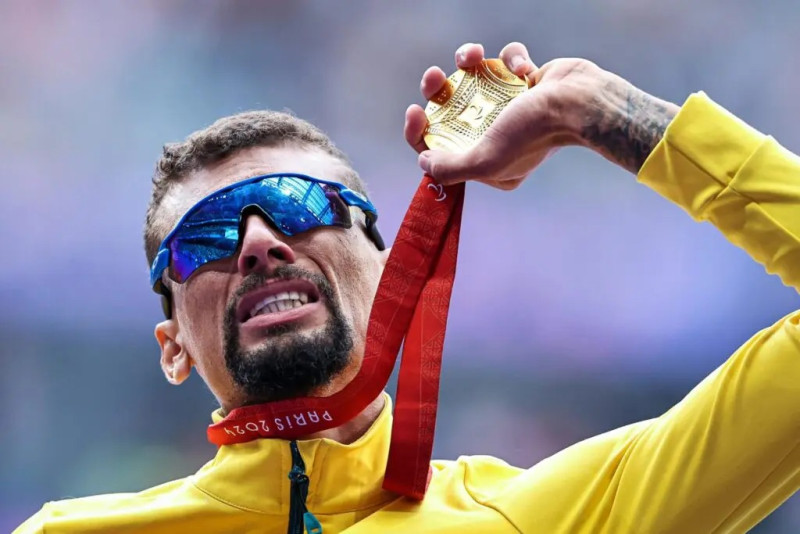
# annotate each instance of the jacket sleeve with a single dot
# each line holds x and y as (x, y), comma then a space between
(721, 170)
(719, 461)
(33, 525)
(727, 454)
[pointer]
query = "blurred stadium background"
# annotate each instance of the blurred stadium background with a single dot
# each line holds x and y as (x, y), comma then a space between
(583, 302)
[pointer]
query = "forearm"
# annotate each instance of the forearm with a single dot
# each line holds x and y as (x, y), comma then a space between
(624, 124)
(701, 157)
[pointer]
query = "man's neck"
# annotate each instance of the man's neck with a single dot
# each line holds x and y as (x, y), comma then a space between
(351, 430)
(354, 428)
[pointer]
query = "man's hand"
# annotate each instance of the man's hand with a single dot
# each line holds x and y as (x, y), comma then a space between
(572, 102)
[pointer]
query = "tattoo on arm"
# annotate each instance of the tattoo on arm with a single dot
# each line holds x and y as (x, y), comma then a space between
(625, 124)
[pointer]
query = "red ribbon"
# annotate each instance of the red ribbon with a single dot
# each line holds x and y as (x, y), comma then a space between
(411, 303)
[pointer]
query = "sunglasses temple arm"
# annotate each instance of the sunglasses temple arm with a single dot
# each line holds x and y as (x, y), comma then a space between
(374, 234)
(166, 298)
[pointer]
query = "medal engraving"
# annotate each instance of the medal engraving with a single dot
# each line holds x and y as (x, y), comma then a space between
(477, 112)
(468, 104)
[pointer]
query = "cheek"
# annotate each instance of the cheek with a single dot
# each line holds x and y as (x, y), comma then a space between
(359, 274)
(201, 314)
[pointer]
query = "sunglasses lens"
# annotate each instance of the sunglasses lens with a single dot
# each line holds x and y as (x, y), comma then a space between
(191, 251)
(211, 231)
(296, 206)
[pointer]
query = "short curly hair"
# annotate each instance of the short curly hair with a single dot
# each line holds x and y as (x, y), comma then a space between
(222, 139)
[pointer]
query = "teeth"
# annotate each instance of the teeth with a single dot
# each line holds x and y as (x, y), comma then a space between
(287, 300)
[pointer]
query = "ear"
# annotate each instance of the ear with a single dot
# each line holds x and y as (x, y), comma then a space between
(176, 362)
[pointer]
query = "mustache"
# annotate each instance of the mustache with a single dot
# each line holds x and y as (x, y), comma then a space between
(284, 272)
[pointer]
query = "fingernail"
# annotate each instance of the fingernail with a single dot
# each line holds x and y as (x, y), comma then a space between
(462, 52)
(424, 161)
(517, 62)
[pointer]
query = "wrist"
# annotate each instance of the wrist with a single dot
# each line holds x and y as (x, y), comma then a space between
(621, 122)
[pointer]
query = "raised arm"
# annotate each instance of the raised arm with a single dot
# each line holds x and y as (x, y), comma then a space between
(699, 156)
(728, 453)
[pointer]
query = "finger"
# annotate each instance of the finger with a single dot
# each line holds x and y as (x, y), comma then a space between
(416, 121)
(468, 55)
(433, 80)
(517, 60)
(449, 168)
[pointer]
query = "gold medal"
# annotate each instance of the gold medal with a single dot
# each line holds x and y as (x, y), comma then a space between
(468, 104)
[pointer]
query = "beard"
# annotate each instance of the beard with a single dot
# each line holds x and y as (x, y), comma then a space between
(290, 363)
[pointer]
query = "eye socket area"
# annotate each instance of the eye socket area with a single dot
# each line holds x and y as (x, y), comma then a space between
(205, 242)
(313, 201)
(199, 243)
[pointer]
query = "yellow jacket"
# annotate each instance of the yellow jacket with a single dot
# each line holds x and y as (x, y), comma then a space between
(719, 461)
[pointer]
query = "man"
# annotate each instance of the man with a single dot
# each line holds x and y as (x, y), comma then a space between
(283, 314)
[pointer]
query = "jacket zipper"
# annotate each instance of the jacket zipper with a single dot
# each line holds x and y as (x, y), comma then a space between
(299, 516)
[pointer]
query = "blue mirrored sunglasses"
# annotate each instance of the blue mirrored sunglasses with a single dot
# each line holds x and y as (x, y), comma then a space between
(293, 203)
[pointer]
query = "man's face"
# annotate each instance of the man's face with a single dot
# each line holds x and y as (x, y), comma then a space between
(248, 346)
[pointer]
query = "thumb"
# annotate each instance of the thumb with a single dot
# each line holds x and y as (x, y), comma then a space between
(449, 168)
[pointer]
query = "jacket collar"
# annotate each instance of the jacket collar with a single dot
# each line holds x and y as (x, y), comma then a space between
(342, 478)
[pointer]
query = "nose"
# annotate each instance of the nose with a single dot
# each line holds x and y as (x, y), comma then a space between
(261, 250)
